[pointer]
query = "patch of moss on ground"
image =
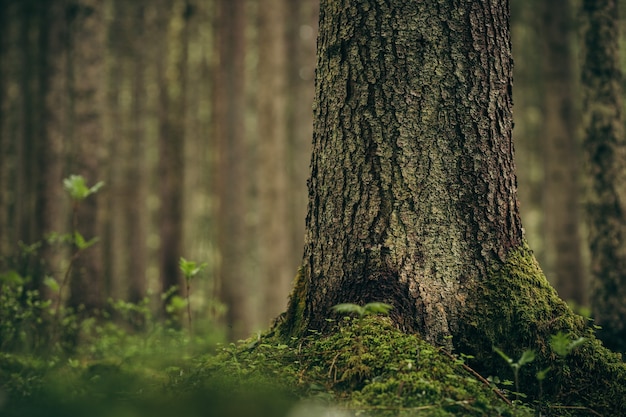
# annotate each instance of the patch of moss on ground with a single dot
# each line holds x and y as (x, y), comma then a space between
(365, 367)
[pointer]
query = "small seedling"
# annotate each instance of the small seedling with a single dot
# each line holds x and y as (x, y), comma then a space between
(190, 269)
(562, 345)
(527, 357)
(78, 190)
(362, 311)
(76, 186)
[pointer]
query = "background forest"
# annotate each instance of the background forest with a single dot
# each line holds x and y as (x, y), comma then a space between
(197, 117)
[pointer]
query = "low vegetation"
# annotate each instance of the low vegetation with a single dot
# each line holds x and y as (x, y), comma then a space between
(126, 362)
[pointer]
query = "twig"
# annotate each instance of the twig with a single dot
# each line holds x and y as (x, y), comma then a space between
(479, 377)
(575, 407)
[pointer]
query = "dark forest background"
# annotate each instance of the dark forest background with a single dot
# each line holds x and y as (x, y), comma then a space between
(197, 116)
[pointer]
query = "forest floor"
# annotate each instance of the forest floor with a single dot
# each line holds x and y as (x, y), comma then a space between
(365, 368)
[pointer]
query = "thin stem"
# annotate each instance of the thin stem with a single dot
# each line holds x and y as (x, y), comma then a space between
(189, 308)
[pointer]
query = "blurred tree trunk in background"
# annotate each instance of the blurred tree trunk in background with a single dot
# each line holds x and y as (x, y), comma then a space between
(5, 145)
(231, 174)
(199, 242)
(21, 108)
(172, 84)
(125, 125)
(528, 97)
(55, 129)
(605, 153)
(561, 175)
(88, 34)
(301, 53)
(275, 251)
(136, 176)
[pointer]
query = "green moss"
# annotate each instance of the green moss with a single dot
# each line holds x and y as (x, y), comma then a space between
(293, 325)
(364, 365)
(516, 309)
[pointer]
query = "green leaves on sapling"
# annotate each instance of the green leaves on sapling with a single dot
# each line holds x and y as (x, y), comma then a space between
(563, 345)
(189, 268)
(361, 311)
(527, 357)
(76, 186)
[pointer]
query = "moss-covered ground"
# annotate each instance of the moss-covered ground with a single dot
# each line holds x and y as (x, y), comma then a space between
(366, 367)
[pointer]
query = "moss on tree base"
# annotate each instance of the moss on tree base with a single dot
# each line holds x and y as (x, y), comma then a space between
(516, 309)
(365, 366)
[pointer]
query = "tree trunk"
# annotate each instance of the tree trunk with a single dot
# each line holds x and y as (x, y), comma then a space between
(561, 178)
(231, 170)
(275, 250)
(412, 193)
(605, 153)
(171, 141)
(88, 45)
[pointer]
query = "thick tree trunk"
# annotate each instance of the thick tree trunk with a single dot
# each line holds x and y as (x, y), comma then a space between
(412, 195)
(412, 188)
(605, 153)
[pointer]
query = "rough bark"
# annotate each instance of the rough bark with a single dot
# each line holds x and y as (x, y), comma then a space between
(411, 194)
(561, 174)
(605, 155)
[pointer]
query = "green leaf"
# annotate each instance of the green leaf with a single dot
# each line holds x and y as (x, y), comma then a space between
(12, 278)
(377, 308)
(562, 345)
(541, 375)
(503, 355)
(81, 243)
(176, 303)
(349, 308)
(52, 284)
(527, 357)
(189, 268)
(76, 186)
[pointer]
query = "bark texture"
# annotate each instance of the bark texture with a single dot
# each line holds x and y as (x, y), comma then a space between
(605, 153)
(412, 187)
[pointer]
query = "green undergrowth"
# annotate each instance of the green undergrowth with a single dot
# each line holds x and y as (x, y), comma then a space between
(366, 367)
